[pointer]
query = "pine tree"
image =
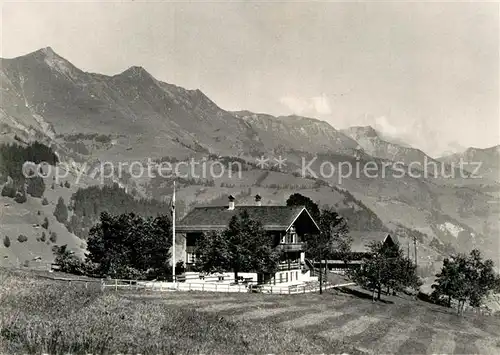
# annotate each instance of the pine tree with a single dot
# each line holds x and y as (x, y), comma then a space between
(61, 211)
(35, 186)
(20, 195)
(9, 190)
(53, 237)
(45, 223)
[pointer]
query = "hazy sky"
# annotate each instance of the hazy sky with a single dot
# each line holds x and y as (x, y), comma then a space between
(428, 72)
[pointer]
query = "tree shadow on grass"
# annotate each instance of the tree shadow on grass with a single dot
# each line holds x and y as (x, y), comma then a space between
(361, 294)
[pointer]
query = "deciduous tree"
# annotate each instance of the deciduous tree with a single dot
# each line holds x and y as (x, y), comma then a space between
(243, 247)
(129, 244)
(387, 267)
(466, 279)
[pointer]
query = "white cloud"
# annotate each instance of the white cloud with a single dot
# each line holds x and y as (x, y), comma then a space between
(317, 105)
(296, 105)
(382, 124)
(321, 104)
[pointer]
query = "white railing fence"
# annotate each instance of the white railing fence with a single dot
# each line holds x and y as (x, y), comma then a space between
(213, 287)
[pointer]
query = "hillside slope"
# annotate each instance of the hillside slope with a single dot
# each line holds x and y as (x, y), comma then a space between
(480, 162)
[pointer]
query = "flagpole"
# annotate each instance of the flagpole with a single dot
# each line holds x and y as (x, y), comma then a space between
(173, 235)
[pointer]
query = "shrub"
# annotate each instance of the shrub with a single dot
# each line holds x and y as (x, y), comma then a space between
(103, 138)
(45, 202)
(43, 238)
(52, 186)
(6, 241)
(66, 184)
(38, 213)
(53, 237)
(22, 238)
(68, 261)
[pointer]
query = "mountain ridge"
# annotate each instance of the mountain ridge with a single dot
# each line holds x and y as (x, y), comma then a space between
(130, 116)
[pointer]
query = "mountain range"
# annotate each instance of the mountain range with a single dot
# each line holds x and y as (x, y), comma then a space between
(90, 118)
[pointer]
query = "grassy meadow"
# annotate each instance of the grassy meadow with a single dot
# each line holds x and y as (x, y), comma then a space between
(38, 315)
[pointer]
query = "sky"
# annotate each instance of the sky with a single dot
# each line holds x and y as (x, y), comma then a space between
(423, 72)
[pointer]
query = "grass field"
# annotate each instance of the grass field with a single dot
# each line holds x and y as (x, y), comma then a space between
(39, 315)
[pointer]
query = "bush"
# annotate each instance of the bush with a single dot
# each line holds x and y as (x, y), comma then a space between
(45, 202)
(67, 260)
(38, 213)
(53, 237)
(43, 238)
(103, 138)
(22, 238)
(52, 186)
(67, 185)
(6, 241)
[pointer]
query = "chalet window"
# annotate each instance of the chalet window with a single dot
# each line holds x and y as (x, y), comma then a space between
(292, 235)
(191, 258)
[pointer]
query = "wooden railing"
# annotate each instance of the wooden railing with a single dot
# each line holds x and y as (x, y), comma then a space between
(286, 266)
(291, 246)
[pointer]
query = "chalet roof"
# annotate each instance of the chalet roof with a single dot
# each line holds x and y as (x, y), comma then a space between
(361, 240)
(278, 218)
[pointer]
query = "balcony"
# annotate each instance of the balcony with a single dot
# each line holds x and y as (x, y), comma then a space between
(289, 247)
(286, 266)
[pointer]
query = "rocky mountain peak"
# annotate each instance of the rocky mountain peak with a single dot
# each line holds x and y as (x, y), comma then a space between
(136, 71)
(48, 51)
(363, 131)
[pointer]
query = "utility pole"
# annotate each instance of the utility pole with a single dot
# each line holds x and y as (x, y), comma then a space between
(173, 235)
(320, 274)
(408, 264)
(415, 246)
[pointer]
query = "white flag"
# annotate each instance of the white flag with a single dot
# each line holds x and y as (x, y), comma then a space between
(172, 203)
